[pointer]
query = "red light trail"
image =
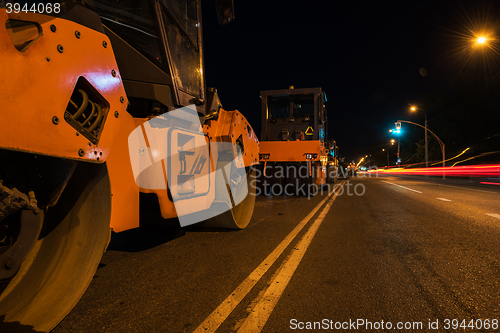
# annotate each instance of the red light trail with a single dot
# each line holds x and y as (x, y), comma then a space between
(492, 170)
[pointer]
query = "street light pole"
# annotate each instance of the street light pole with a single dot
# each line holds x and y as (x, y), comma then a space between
(426, 146)
(441, 143)
(397, 156)
(444, 158)
(383, 150)
(399, 160)
(413, 108)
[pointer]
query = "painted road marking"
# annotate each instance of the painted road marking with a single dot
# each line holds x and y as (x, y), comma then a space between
(407, 188)
(465, 188)
(217, 317)
(443, 199)
(494, 215)
(262, 311)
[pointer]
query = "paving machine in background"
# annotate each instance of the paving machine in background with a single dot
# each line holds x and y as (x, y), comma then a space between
(293, 146)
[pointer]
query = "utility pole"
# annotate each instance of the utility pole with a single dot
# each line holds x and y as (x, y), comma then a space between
(426, 147)
(414, 108)
(441, 143)
(398, 129)
(387, 153)
(399, 160)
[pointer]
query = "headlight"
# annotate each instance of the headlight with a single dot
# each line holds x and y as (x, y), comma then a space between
(310, 156)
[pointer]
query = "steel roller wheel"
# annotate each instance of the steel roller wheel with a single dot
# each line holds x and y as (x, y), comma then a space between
(239, 215)
(61, 264)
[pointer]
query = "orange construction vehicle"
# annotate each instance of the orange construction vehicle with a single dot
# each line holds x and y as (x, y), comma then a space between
(86, 89)
(293, 154)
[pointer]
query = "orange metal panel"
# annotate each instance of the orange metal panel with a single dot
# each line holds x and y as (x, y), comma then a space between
(290, 151)
(37, 84)
(229, 126)
(320, 173)
(124, 190)
(167, 206)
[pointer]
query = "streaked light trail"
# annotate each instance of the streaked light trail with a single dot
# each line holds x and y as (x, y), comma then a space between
(492, 170)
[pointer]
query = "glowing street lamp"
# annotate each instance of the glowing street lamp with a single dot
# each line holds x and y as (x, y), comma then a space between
(481, 40)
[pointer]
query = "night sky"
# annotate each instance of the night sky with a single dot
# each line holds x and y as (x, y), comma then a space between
(372, 58)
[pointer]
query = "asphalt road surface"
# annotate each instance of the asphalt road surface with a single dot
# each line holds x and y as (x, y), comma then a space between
(377, 254)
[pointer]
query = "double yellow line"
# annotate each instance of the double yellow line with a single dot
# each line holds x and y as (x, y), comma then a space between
(264, 307)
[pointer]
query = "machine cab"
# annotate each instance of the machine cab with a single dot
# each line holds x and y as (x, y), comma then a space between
(293, 115)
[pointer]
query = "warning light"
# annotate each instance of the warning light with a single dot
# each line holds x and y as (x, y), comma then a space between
(309, 131)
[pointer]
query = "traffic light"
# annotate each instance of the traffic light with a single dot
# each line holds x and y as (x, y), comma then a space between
(398, 127)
